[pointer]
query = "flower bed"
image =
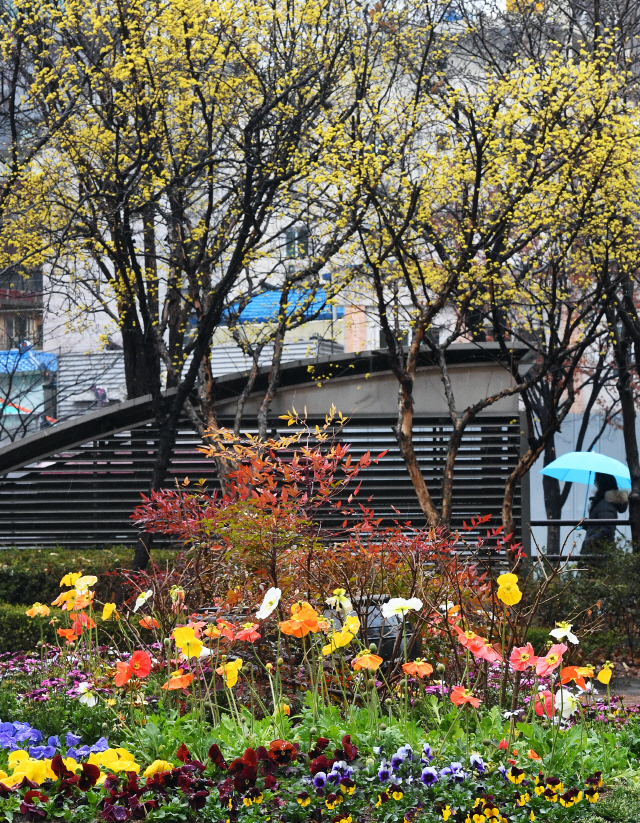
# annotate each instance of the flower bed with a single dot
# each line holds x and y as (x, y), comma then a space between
(262, 677)
(188, 732)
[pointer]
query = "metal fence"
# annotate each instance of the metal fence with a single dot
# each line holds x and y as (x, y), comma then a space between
(84, 496)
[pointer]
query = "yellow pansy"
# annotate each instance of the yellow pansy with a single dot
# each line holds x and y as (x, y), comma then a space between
(16, 757)
(16, 777)
(37, 770)
(156, 767)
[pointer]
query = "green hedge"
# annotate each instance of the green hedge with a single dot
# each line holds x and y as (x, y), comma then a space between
(21, 633)
(33, 575)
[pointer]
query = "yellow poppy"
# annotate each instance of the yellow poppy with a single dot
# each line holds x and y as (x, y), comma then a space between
(604, 675)
(230, 672)
(508, 579)
(70, 579)
(108, 610)
(509, 593)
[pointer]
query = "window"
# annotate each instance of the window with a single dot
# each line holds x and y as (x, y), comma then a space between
(297, 242)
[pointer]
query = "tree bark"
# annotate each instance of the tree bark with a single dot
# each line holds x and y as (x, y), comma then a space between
(404, 436)
(552, 499)
(622, 351)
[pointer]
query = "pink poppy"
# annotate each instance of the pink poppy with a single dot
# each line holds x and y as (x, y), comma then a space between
(550, 663)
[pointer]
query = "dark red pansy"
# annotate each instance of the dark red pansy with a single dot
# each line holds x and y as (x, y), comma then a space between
(58, 767)
(216, 756)
(249, 758)
(198, 800)
(183, 754)
(321, 764)
(88, 776)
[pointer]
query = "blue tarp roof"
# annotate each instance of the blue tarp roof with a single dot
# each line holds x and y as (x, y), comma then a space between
(15, 360)
(264, 307)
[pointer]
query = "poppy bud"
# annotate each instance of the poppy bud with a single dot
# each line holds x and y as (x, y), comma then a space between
(313, 730)
(280, 661)
(373, 647)
(440, 668)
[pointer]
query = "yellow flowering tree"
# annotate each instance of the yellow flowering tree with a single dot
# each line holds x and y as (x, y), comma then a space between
(195, 136)
(482, 212)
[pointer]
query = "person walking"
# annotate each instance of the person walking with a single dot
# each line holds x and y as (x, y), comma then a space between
(607, 502)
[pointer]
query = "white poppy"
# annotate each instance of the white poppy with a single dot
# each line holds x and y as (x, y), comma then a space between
(398, 606)
(563, 631)
(86, 695)
(142, 599)
(566, 703)
(339, 601)
(271, 600)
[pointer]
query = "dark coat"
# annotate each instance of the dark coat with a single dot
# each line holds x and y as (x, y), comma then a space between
(614, 501)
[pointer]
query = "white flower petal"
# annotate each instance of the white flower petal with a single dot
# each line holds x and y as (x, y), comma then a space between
(269, 604)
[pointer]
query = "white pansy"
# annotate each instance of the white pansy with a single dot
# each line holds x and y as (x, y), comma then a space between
(271, 600)
(398, 606)
(142, 599)
(562, 631)
(86, 695)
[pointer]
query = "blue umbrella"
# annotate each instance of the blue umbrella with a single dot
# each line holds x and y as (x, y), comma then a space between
(581, 467)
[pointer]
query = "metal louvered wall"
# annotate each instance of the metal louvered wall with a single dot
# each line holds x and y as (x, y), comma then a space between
(84, 497)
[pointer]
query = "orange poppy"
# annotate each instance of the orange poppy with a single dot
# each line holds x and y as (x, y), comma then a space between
(460, 696)
(226, 629)
(212, 631)
(178, 680)
(249, 632)
(418, 668)
(69, 634)
(367, 661)
(139, 665)
(532, 755)
(149, 622)
(569, 673)
(82, 601)
(470, 640)
(304, 619)
(38, 610)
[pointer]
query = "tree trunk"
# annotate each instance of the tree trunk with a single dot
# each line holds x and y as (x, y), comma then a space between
(552, 499)
(404, 435)
(447, 479)
(136, 366)
(628, 409)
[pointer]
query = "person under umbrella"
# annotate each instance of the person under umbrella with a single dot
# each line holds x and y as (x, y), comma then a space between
(607, 502)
